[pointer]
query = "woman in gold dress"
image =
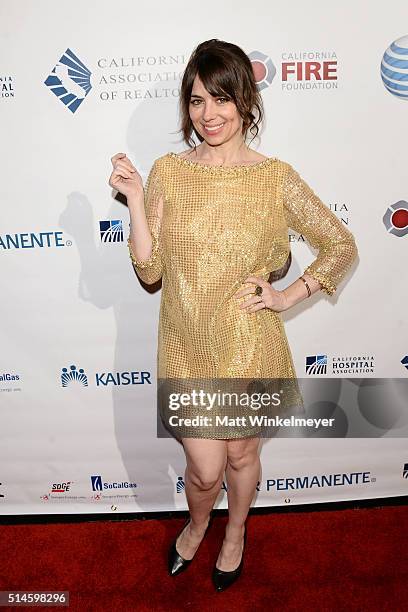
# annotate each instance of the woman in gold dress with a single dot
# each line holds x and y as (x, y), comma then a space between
(212, 223)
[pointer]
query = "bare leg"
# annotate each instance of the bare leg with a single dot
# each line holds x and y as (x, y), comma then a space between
(243, 471)
(206, 461)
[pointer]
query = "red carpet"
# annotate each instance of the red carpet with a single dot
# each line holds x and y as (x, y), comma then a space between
(354, 559)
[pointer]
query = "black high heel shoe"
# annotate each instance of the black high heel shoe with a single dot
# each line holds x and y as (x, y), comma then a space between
(176, 563)
(222, 580)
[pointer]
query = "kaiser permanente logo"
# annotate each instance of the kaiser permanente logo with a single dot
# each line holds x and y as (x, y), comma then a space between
(338, 366)
(33, 240)
(298, 483)
(69, 80)
(305, 481)
(73, 376)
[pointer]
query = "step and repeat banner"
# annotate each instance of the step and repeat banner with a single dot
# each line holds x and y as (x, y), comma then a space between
(81, 82)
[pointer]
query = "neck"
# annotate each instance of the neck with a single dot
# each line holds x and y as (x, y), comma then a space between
(228, 153)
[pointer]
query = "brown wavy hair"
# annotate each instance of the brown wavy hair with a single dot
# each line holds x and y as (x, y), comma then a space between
(225, 70)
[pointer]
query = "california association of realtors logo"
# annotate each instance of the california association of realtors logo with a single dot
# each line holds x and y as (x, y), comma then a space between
(70, 80)
(394, 68)
(396, 217)
(111, 230)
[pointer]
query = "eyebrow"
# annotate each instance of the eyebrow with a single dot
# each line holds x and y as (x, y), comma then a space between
(215, 96)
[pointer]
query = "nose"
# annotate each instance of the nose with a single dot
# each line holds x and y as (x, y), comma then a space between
(209, 111)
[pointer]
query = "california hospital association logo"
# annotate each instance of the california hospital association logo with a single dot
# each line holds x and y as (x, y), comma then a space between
(394, 68)
(70, 80)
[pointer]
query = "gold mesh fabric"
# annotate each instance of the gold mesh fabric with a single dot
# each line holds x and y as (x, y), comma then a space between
(219, 226)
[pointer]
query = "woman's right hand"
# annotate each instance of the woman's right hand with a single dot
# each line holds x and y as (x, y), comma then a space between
(125, 178)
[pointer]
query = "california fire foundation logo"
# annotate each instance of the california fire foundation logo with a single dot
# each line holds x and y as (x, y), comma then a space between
(396, 219)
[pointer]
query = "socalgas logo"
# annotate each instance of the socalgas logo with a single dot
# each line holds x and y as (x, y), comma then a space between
(339, 365)
(70, 80)
(33, 240)
(394, 68)
(396, 218)
(73, 376)
(9, 382)
(100, 486)
(111, 230)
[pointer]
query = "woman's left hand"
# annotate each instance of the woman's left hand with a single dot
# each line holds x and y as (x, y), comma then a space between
(269, 298)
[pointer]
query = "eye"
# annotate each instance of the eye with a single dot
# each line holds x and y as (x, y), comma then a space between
(195, 102)
(223, 100)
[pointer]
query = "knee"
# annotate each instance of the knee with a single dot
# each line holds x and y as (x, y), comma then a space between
(241, 460)
(205, 480)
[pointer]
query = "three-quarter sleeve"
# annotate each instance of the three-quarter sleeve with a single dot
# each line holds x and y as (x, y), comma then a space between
(151, 270)
(306, 214)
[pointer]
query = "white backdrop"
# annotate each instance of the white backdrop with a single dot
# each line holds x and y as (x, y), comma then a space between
(69, 296)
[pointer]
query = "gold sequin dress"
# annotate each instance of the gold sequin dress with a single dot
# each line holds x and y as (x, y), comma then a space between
(220, 225)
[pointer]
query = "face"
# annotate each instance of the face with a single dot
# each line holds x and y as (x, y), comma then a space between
(216, 119)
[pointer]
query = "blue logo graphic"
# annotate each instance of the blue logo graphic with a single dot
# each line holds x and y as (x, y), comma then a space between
(70, 80)
(404, 361)
(73, 376)
(316, 364)
(394, 68)
(96, 482)
(111, 231)
(180, 485)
